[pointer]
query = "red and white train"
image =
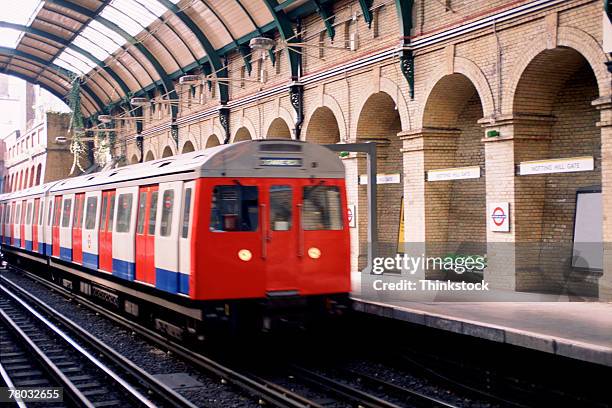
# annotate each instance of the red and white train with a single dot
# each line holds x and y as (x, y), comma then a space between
(249, 228)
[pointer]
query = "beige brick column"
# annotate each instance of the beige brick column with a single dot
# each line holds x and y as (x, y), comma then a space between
(513, 256)
(426, 204)
(351, 166)
(604, 105)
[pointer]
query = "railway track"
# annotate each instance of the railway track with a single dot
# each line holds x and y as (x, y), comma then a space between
(263, 391)
(91, 374)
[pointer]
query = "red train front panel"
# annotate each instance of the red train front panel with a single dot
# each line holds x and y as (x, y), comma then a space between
(260, 236)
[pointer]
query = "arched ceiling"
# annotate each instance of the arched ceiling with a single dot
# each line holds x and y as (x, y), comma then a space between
(123, 48)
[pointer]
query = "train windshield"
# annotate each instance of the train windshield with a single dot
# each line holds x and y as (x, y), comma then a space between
(322, 209)
(234, 208)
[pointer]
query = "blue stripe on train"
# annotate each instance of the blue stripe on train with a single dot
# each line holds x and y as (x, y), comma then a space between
(90, 260)
(66, 254)
(41, 247)
(28, 245)
(124, 269)
(170, 281)
(48, 249)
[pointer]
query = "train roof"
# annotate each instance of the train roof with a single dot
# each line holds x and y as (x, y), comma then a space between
(255, 158)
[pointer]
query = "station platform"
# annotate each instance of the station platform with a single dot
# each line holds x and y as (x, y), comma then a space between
(579, 330)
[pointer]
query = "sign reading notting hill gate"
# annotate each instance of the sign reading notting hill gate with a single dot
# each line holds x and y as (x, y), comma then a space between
(567, 165)
(455, 173)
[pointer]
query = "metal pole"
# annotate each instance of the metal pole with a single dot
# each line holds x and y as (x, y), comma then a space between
(369, 148)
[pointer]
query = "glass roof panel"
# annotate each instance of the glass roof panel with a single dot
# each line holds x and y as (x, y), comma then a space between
(106, 38)
(91, 46)
(9, 37)
(74, 62)
(19, 11)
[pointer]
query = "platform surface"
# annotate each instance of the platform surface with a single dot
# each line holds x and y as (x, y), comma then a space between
(580, 330)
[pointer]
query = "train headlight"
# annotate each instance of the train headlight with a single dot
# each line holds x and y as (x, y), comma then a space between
(314, 253)
(245, 255)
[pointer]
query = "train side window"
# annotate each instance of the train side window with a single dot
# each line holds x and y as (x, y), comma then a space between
(152, 213)
(165, 228)
(124, 212)
(66, 212)
(18, 213)
(29, 214)
(322, 209)
(111, 214)
(186, 213)
(77, 220)
(50, 213)
(142, 206)
(35, 213)
(234, 208)
(103, 213)
(281, 198)
(58, 213)
(90, 215)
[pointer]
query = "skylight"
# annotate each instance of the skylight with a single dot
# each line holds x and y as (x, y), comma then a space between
(16, 12)
(130, 15)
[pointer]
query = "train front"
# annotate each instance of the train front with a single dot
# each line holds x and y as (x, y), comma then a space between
(272, 239)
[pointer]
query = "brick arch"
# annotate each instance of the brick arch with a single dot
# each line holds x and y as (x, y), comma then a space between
(376, 116)
(168, 151)
(332, 104)
(212, 140)
(189, 139)
(568, 37)
(390, 88)
(322, 127)
(279, 129)
(149, 156)
(134, 159)
(471, 71)
(283, 114)
(242, 134)
(243, 122)
(188, 147)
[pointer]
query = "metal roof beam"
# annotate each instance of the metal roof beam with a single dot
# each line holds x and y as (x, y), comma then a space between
(212, 54)
(326, 13)
(286, 32)
(165, 78)
(59, 70)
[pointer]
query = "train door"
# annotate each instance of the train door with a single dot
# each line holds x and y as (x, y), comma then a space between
(77, 225)
(281, 236)
(57, 213)
(105, 236)
(145, 234)
(49, 215)
(65, 234)
(123, 245)
(22, 223)
(7, 226)
(35, 217)
(185, 237)
(17, 225)
(14, 219)
(90, 229)
(28, 230)
(166, 236)
(2, 208)
(323, 243)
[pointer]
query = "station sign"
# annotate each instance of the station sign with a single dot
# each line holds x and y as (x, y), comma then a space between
(455, 173)
(352, 215)
(499, 217)
(382, 179)
(567, 165)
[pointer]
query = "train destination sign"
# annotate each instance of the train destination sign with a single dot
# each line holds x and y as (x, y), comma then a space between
(280, 162)
(567, 165)
(455, 173)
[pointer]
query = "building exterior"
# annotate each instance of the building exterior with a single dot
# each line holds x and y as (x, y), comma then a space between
(467, 101)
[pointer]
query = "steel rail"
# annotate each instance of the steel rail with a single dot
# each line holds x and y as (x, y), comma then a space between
(154, 386)
(263, 390)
